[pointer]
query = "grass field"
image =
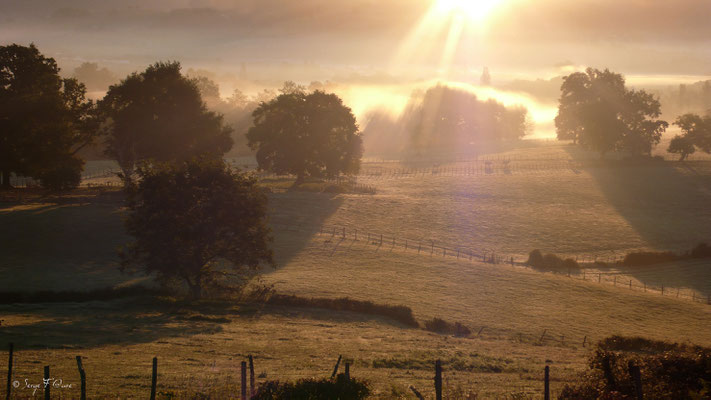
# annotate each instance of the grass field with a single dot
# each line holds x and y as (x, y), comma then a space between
(592, 207)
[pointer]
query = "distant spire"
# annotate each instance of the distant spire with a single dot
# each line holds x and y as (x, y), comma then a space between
(485, 77)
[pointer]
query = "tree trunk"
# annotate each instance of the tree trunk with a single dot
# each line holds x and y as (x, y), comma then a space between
(195, 289)
(5, 176)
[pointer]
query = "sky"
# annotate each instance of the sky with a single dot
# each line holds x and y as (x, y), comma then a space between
(383, 49)
(524, 37)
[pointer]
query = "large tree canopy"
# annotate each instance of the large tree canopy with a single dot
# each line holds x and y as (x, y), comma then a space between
(599, 112)
(696, 132)
(451, 119)
(160, 115)
(195, 222)
(306, 134)
(44, 119)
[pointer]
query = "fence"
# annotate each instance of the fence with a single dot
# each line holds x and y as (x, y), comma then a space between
(432, 249)
(248, 389)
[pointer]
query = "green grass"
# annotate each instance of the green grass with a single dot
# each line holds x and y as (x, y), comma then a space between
(595, 208)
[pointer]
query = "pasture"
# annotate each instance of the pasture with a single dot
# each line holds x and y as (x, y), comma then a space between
(550, 197)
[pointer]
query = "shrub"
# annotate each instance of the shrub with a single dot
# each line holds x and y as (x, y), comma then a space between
(668, 370)
(312, 389)
(550, 261)
(648, 258)
(441, 326)
(702, 250)
(64, 176)
(400, 314)
(535, 258)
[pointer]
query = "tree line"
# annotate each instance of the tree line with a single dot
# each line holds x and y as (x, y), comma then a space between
(158, 115)
(597, 111)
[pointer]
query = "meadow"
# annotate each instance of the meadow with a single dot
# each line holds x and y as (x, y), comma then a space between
(550, 197)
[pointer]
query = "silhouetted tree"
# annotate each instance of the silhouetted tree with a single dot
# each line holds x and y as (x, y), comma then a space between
(44, 119)
(681, 145)
(597, 111)
(304, 134)
(199, 222)
(696, 132)
(451, 119)
(160, 115)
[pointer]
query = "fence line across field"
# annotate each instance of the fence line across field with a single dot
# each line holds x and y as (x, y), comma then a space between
(434, 249)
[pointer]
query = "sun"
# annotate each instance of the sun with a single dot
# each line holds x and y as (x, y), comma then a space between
(476, 10)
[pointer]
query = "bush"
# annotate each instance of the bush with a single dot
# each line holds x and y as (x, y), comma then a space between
(648, 258)
(64, 176)
(669, 370)
(550, 261)
(702, 250)
(535, 259)
(439, 325)
(400, 314)
(312, 389)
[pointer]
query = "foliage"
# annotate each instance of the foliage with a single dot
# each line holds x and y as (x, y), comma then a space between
(306, 134)
(454, 119)
(44, 119)
(696, 133)
(681, 145)
(441, 326)
(599, 112)
(402, 314)
(93, 77)
(648, 258)
(668, 370)
(195, 221)
(550, 261)
(159, 115)
(340, 388)
(702, 250)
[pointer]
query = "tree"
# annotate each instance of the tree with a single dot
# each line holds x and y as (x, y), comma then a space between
(681, 145)
(44, 119)
(452, 120)
(159, 115)
(194, 222)
(597, 111)
(696, 132)
(304, 134)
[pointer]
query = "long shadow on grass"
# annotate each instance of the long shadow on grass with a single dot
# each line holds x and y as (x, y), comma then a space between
(667, 207)
(297, 217)
(60, 246)
(135, 321)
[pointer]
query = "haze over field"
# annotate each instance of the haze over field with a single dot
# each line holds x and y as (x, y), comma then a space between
(511, 196)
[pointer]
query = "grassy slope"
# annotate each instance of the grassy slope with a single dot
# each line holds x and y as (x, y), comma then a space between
(561, 210)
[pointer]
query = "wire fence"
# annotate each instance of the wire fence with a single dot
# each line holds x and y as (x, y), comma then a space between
(337, 234)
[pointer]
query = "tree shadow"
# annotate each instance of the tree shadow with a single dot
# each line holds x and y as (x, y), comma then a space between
(296, 217)
(665, 202)
(145, 320)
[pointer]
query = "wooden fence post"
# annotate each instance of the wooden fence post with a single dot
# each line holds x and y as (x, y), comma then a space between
(9, 372)
(154, 378)
(252, 388)
(543, 335)
(546, 384)
(662, 290)
(243, 380)
(480, 330)
(348, 371)
(82, 378)
(438, 380)
(47, 383)
(335, 369)
(585, 339)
